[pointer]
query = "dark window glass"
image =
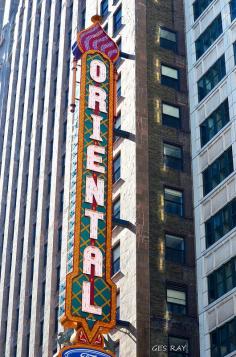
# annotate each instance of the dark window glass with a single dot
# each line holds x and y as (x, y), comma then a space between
(214, 123)
(168, 39)
(221, 223)
(116, 169)
(174, 345)
(45, 254)
(104, 8)
(118, 306)
(118, 86)
(176, 301)
(234, 52)
(118, 121)
(61, 200)
(41, 333)
(170, 77)
(171, 116)
(175, 250)
(199, 6)
(233, 9)
(223, 339)
(83, 17)
(116, 208)
(117, 18)
(211, 78)
(222, 280)
(173, 157)
(173, 202)
(206, 39)
(59, 239)
(218, 171)
(115, 259)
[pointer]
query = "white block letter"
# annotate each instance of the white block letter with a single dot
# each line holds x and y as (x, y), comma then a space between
(93, 160)
(98, 95)
(92, 256)
(86, 306)
(94, 217)
(96, 128)
(98, 71)
(94, 190)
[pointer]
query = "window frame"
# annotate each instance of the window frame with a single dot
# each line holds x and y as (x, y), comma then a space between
(177, 261)
(169, 81)
(175, 306)
(117, 28)
(209, 79)
(113, 205)
(221, 168)
(181, 204)
(213, 31)
(114, 269)
(114, 173)
(213, 282)
(168, 118)
(180, 161)
(105, 13)
(164, 42)
(221, 111)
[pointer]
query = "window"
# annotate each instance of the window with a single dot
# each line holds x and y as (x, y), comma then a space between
(199, 6)
(171, 116)
(104, 8)
(59, 239)
(214, 123)
(83, 17)
(118, 86)
(58, 278)
(63, 160)
(211, 78)
(41, 333)
(116, 208)
(118, 121)
(116, 169)
(43, 293)
(174, 343)
(176, 301)
(45, 254)
(61, 200)
(168, 39)
(222, 280)
(175, 249)
(218, 171)
(170, 77)
(51, 150)
(116, 259)
(234, 45)
(173, 202)
(223, 339)
(173, 157)
(221, 223)
(117, 20)
(118, 306)
(206, 39)
(233, 9)
(47, 218)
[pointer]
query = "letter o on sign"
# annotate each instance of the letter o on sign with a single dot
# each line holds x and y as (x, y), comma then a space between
(98, 71)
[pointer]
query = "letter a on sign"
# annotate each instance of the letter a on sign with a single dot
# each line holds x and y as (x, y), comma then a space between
(90, 294)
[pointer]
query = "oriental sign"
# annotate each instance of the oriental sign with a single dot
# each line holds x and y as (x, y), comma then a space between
(90, 294)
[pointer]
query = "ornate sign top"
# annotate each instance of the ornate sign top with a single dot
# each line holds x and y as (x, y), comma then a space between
(95, 38)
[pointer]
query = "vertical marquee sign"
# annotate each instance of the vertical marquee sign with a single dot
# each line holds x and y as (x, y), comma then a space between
(90, 294)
